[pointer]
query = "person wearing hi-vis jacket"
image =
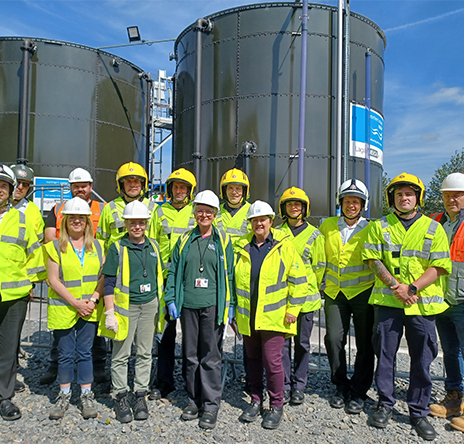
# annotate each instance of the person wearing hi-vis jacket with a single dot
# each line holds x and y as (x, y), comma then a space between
(133, 295)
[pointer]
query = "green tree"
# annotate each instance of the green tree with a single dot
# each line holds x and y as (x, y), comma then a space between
(433, 201)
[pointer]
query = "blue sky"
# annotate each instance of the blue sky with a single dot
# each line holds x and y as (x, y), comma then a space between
(424, 81)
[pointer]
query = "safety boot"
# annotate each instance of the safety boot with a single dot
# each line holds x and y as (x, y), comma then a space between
(458, 423)
(88, 405)
(452, 405)
(61, 405)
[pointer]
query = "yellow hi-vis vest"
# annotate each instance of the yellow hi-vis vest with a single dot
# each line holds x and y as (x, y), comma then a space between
(21, 256)
(33, 215)
(407, 254)
(282, 287)
(80, 281)
(235, 226)
(310, 244)
(167, 225)
(111, 226)
(345, 270)
(121, 296)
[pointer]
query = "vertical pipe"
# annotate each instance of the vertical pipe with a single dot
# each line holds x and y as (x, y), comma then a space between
(346, 94)
(28, 49)
(338, 159)
(367, 148)
(197, 135)
(301, 132)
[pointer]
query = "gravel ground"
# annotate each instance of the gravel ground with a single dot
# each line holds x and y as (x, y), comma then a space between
(313, 421)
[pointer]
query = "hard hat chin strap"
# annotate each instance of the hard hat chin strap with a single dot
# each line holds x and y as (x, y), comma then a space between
(405, 213)
(351, 218)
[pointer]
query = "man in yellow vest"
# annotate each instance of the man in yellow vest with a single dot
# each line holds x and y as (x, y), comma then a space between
(81, 185)
(310, 245)
(132, 184)
(409, 255)
(20, 256)
(168, 223)
(25, 179)
(348, 285)
(234, 191)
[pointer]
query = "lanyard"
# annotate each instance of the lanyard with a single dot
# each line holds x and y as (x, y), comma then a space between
(80, 255)
(202, 255)
(144, 265)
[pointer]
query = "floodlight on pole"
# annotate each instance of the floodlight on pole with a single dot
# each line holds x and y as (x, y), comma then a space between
(133, 34)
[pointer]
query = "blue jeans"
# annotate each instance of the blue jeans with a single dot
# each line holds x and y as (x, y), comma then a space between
(450, 326)
(78, 338)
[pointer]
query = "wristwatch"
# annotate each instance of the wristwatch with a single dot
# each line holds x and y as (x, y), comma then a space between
(95, 301)
(412, 288)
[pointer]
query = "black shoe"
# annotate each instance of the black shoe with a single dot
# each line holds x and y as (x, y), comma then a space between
(154, 394)
(356, 405)
(381, 416)
(49, 376)
(423, 428)
(286, 396)
(140, 407)
(297, 397)
(208, 420)
(338, 400)
(19, 387)
(99, 375)
(252, 412)
(122, 408)
(9, 411)
(161, 389)
(273, 418)
(190, 412)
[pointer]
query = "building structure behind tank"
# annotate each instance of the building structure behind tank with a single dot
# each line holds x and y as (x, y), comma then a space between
(87, 108)
(250, 65)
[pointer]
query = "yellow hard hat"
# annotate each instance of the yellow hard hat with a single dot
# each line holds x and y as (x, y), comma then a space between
(235, 177)
(181, 175)
(132, 169)
(297, 194)
(406, 179)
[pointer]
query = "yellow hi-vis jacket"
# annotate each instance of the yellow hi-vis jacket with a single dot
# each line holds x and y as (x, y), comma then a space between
(345, 270)
(80, 281)
(282, 287)
(121, 295)
(167, 225)
(310, 244)
(235, 226)
(111, 226)
(21, 256)
(407, 254)
(33, 215)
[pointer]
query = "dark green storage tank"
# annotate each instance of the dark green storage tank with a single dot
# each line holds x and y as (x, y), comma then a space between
(87, 108)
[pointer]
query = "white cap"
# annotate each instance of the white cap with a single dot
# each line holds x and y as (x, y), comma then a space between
(260, 208)
(77, 206)
(352, 187)
(136, 210)
(79, 175)
(453, 182)
(207, 197)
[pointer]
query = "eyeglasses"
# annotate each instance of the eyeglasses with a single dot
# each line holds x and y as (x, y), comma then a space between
(208, 213)
(452, 196)
(24, 184)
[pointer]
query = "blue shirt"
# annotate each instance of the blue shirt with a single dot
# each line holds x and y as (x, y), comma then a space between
(257, 255)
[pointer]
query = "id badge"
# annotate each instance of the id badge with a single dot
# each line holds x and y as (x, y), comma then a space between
(145, 288)
(201, 283)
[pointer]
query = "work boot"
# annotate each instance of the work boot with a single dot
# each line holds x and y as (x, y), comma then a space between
(208, 420)
(8, 411)
(61, 405)
(356, 405)
(423, 428)
(190, 412)
(49, 376)
(252, 412)
(140, 406)
(287, 396)
(160, 390)
(19, 386)
(452, 405)
(273, 418)
(122, 408)
(297, 397)
(88, 407)
(458, 423)
(339, 399)
(381, 416)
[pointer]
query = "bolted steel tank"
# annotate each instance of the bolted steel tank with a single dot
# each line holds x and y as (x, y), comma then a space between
(249, 72)
(85, 108)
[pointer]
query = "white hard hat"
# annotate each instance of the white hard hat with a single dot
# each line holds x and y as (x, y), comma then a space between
(79, 175)
(260, 208)
(207, 197)
(7, 175)
(77, 206)
(352, 187)
(136, 210)
(453, 182)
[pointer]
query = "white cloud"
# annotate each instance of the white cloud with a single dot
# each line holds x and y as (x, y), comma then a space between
(453, 94)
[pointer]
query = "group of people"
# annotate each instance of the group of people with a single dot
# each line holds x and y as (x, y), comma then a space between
(129, 269)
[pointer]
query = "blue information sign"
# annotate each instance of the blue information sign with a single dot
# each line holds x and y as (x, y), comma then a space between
(48, 191)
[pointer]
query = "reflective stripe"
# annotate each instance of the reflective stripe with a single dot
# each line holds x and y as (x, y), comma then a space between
(72, 284)
(118, 223)
(58, 302)
(99, 229)
(416, 253)
(279, 285)
(376, 247)
(320, 265)
(90, 278)
(236, 231)
(99, 249)
(421, 300)
(16, 284)
(391, 247)
(440, 255)
(36, 270)
(346, 270)
(151, 205)
(121, 311)
(40, 236)
(86, 296)
(313, 297)
(33, 247)
(383, 290)
(275, 305)
(178, 230)
(243, 311)
(297, 281)
(297, 301)
(351, 282)
(242, 293)
(14, 240)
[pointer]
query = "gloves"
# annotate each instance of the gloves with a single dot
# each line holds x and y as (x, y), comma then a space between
(231, 313)
(172, 310)
(111, 323)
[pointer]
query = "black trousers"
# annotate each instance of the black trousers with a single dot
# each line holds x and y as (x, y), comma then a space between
(12, 315)
(202, 354)
(166, 355)
(338, 313)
